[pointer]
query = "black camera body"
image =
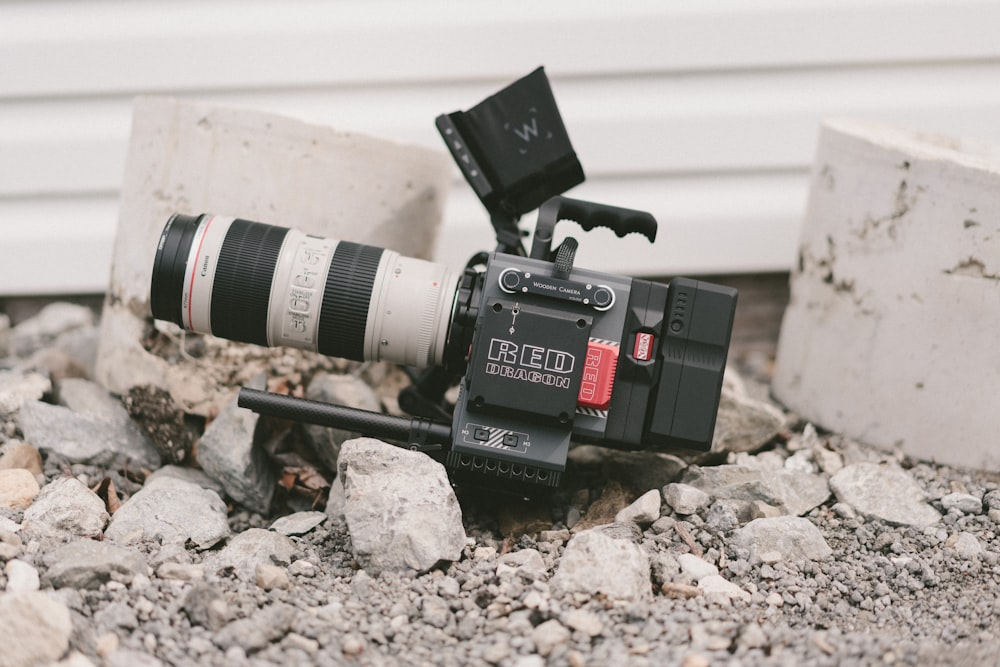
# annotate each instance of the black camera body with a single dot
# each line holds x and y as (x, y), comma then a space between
(543, 352)
(585, 356)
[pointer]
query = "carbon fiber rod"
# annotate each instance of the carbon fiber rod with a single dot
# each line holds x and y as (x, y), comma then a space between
(373, 424)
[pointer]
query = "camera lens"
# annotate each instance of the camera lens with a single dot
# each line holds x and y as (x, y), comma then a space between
(268, 285)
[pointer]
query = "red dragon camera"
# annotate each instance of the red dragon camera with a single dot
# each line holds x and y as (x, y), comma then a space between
(543, 352)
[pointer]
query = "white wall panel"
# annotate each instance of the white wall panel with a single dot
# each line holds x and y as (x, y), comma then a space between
(704, 113)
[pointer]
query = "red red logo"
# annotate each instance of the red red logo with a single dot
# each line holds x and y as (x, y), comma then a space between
(643, 350)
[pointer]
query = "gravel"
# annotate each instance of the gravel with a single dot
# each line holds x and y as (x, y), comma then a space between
(731, 560)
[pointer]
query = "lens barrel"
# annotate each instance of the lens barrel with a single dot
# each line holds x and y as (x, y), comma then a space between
(258, 283)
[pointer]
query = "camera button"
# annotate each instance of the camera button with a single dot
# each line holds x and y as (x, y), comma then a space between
(481, 434)
(510, 279)
(603, 297)
(510, 440)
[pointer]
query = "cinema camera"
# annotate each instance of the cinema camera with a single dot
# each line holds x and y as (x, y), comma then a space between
(543, 352)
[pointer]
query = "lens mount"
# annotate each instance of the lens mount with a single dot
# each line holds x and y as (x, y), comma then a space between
(169, 267)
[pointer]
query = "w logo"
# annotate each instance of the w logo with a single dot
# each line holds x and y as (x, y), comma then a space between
(528, 130)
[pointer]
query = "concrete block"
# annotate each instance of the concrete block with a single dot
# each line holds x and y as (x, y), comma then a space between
(191, 157)
(890, 336)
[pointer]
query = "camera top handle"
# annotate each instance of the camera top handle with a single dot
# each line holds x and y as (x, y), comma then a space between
(588, 215)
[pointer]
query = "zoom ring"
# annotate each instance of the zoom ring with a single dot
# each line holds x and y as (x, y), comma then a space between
(243, 276)
(346, 300)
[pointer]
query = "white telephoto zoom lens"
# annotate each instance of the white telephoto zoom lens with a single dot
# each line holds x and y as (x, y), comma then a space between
(274, 286)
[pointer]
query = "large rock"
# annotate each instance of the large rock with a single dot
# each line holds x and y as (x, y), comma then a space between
(192, 157)
(228, 453)
(169, 510)
(401, 511)
(892, 316)
(249, 549)
(17, 387)
(885, 493)
(789, 538)
(85, 437)
(790, 491)
(64, 508)
(87, 564)
(596, 563)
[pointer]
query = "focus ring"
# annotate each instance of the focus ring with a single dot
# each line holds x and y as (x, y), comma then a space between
(346, 298)
(243, 276)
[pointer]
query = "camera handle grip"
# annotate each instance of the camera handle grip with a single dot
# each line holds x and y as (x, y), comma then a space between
(588, 215)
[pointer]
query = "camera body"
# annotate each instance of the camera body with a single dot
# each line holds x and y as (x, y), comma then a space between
(585, 356)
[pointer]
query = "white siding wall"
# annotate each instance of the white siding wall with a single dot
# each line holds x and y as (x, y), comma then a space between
(704, 112)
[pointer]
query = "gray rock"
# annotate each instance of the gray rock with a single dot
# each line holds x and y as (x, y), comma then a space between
(21, 576)
(644, 511)
(17, 387)
(346, 390)
(11, 545)
(694, 567)
(684, 498)
(743, 423)
(335, 500)
(205, 605)
(435, 611)
(885, 493)
(726, 514)
(529, 560)
(548, 635)
(36, 628)
(967, 545)
(65, 507)
(228, 453)
(721, 591)
(195, 476)
(401, 511)
(584, 621)
(794, 492)
(269, 576)
(962, 502)
(181, 571)
(251, 547)
(258, 630)
(171, 510)
(89, 398)
(594, 563)
(85, 437)
(298, 523)
(116, 615)
(54, 319)
(794, 538)
(87, 564)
